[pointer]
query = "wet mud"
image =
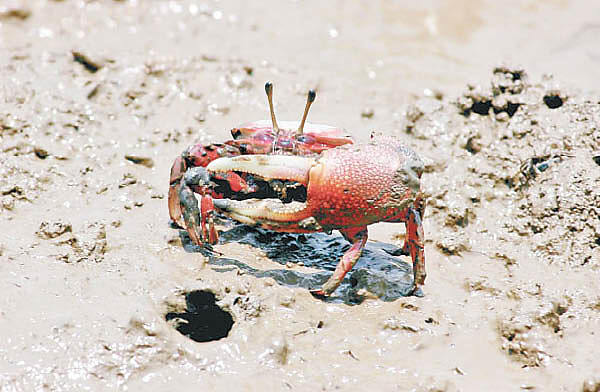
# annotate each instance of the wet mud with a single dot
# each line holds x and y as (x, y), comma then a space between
(99, 292)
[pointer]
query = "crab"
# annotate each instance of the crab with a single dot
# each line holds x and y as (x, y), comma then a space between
(302, 178)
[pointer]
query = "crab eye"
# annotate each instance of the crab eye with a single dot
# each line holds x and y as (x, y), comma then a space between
(305, 139)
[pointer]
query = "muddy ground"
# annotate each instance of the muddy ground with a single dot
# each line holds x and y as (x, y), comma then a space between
(98, 97)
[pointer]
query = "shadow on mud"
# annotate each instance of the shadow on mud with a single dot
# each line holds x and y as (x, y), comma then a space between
(385, 276)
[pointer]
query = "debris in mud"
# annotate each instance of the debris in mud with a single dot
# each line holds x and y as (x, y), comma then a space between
(128, 179)
(202, 320)
(249, 305)
(393, 323)
(54, 229)
(40, 152)
(453, 243)
(277, 351)
(481, 285)
(522, 341)
(14, 13)
(524, 335)
(534, 166)
(139, 160)
(591, 385)
(88, 244)
(87, 63)
(367, 113)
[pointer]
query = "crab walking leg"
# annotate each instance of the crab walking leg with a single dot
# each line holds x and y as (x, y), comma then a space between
(194, 217)
(358, 237)
(415, 236)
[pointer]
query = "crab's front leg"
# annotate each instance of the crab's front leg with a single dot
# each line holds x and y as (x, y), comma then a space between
(358, 237)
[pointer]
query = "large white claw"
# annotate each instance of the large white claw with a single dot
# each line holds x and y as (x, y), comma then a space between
(281, 167)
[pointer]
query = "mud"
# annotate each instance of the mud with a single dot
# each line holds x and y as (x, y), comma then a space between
(98, 98)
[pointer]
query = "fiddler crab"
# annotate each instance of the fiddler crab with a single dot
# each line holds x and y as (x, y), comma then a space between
(302, 178)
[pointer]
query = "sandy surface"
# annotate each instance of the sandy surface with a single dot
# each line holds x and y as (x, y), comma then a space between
(90, 270)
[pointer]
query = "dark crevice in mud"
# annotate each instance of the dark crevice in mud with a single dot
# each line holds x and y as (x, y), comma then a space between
(597, 159)
(553, 101)
(203, 320)
(511, 108)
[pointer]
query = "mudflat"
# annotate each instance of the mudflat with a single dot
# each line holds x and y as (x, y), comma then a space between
(98, 292)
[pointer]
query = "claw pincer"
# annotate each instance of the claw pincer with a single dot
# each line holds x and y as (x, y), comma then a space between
(302, 181)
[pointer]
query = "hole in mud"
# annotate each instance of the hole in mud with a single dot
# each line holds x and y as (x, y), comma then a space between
(482, 107)
(203, 320)
(512, 108)
(553, 101)
(597, 159)
(597, 241)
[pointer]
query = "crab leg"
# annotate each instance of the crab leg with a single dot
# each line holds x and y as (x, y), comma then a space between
(415, 242)
(358, 237)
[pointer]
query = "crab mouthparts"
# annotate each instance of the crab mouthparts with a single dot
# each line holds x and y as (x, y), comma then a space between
(280, 182)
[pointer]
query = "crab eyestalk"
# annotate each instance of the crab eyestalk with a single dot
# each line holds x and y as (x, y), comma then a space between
(309, 100)
(269, 91)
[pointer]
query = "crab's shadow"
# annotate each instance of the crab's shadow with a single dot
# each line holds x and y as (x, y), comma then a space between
(376, 272)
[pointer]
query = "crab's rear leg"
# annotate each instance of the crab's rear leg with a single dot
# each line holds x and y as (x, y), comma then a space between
(358, 237)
